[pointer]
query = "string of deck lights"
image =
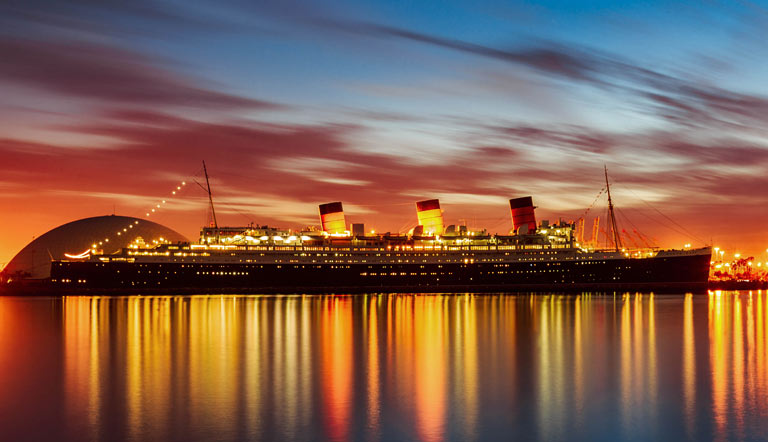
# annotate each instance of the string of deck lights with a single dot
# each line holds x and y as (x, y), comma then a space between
(125, 229)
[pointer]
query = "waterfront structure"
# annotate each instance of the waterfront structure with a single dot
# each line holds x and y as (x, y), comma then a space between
(109, 234)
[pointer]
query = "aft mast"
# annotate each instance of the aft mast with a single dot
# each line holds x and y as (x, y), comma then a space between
(612, 215)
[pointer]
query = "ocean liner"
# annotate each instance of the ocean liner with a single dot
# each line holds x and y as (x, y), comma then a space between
(342, 258)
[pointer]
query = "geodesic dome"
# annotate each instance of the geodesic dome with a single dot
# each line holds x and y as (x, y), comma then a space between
(34, 260)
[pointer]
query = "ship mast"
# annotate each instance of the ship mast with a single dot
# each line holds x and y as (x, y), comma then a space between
(612, 215)
(210, 197)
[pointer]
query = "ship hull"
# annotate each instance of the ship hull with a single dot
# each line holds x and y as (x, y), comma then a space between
(676, 273)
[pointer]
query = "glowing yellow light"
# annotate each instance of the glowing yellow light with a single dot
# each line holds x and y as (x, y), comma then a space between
(173, 193)
(153, 210)
(158, 206)
(278, 238)
(305, 238)
(78, 256)
(737, 255)
(264, 238)
(183, 183)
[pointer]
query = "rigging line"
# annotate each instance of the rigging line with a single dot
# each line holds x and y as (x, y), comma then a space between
(680, 229)
(243, 214)
(665, 225)
(490, 222)
(496, 225)
(233, 206)
(383, 205)
(688, 232)
(629, 238)
(646, 240)
(224, 173)
(201, 186)
(627, 219)
(599, 194)
(493, 219)
(250, 217)
(634, 227)
(230, 206)
(407, 226)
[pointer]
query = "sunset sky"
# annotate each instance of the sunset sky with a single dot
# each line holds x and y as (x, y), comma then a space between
(108, 105)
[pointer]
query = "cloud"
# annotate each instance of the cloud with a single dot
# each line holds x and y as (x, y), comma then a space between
(137, 18)
(569, 137)
(111, 75)
(681, 101)
(317, 162)
(557, 61)
(319, 169)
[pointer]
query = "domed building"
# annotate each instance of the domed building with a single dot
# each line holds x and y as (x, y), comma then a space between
(77, 237)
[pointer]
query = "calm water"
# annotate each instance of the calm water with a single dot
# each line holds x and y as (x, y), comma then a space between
(388, 367)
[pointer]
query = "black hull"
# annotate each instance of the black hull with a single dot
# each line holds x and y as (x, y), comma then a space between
(681, 273)
(45, 288)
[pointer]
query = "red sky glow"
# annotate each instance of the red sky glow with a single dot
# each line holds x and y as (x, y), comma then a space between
(105, 110)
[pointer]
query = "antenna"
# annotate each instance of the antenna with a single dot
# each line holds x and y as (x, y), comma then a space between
(210, 196)
(612, 216)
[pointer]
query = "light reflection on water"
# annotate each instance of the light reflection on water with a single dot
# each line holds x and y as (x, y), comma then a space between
(385, 367)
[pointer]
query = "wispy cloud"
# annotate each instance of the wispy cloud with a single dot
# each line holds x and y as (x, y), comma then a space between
(679, 100)
(109, 74)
